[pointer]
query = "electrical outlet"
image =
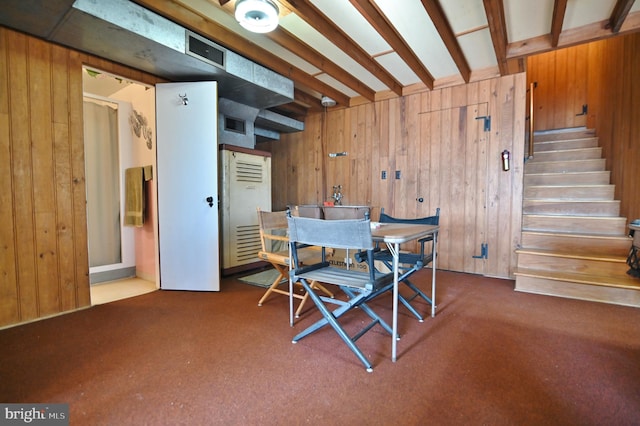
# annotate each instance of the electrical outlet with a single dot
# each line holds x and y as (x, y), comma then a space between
(384, 174)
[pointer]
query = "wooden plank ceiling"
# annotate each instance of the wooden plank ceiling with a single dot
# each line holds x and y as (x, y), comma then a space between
(364, 50)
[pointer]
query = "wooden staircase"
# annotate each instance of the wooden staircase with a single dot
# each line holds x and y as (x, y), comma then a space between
(574, 243)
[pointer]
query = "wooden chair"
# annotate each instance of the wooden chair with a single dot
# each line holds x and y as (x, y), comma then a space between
(359, 286)
(275, 250)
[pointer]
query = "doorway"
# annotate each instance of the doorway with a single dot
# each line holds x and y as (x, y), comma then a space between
(120, 255)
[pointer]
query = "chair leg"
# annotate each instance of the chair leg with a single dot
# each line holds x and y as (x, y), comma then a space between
(283, 272)
(366, 309)
(314, 285)
(331, 320)
(301, 305)
(410, 307)
(270, 289)
(417, 292)
(323, 289)
(336, 313)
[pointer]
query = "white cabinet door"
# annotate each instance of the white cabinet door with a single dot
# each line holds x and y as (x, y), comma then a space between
(187, 173)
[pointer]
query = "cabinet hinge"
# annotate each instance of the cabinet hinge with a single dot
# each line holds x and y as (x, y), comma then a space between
(487, 122)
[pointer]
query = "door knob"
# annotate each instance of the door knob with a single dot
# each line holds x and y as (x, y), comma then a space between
(210, 201)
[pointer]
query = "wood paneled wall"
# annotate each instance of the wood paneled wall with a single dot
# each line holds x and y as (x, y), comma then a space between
(43, 234)
(603, 75)
(432, 139)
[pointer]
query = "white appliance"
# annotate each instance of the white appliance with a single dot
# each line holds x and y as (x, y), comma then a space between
(245, 186)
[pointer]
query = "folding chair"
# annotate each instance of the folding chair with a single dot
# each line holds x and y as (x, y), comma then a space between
(408, 263)
(275, 250)
(359, 286)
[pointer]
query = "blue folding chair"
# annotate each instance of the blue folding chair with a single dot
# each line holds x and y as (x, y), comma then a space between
(359, 286)
(408, 263)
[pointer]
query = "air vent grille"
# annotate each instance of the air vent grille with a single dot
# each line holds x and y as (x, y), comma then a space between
(247, 242)
(205, 50)
(248, 172)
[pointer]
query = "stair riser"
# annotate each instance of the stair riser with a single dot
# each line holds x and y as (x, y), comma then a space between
(597, 165)
(591, 192)
(574, 208)
(579, 291)
(617, 246)
(542, 146)
(573, 154)
(585, 225)
(589, 178)
(560, 136)
(582, 266)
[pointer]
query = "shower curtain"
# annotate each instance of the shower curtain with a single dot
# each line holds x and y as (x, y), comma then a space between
(102, 167)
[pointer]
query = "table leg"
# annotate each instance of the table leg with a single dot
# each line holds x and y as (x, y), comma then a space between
(433, 276)
(290, 288)
(395, 249)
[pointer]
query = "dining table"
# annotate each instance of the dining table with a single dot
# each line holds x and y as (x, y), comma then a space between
(393, 235)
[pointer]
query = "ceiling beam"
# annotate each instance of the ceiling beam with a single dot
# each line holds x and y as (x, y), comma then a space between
(378, 21)
(449, 38)
(619, 14)
(315, 58)
(494, 10)
(307, 100)
(310, 14)
(188, 18)
(559, 9)
(585, 34)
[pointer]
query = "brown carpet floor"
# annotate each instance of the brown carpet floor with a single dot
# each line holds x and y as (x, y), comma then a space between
(491, 356)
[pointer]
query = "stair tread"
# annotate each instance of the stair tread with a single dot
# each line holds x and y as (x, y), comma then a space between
(566, 161)
(570, 200)
(568, 173)
(564, 134)
(578, 235)
(537, 141)
(618, 281)
(585, 255)
(576, 217)
(592, 148)
(573, 185)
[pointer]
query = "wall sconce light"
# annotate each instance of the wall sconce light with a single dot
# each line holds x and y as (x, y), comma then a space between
(184, 99)
(258, 16)
(506, 156)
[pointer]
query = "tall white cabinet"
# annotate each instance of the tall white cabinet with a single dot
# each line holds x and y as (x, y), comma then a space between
(245, 185)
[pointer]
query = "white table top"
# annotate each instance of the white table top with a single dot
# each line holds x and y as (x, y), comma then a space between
(401, 232)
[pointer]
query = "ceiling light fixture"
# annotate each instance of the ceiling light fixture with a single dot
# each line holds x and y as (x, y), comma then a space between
(258, 16)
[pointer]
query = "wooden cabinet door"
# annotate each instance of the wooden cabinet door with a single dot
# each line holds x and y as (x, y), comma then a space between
(455, 146)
